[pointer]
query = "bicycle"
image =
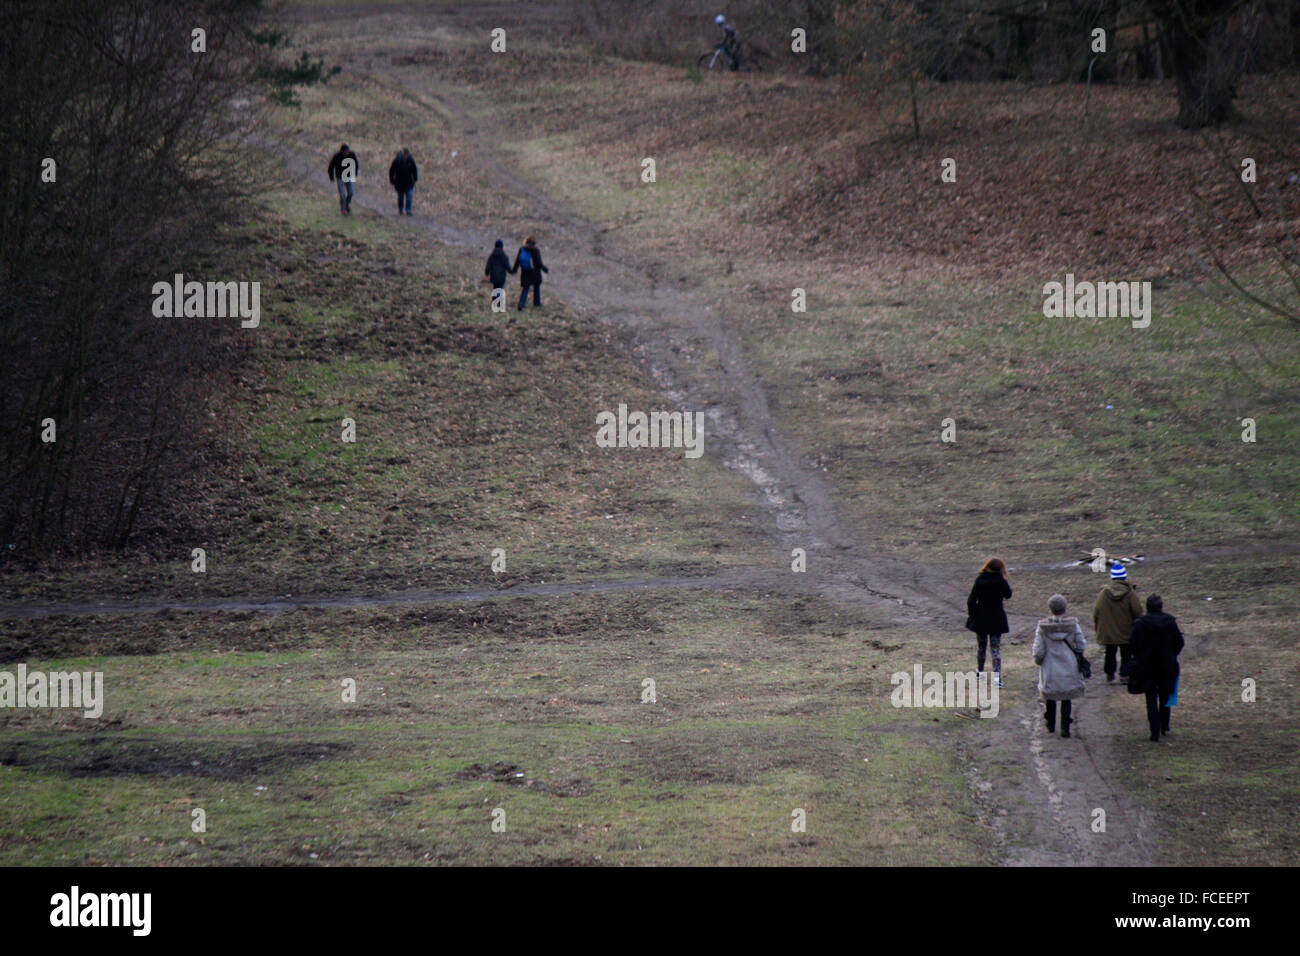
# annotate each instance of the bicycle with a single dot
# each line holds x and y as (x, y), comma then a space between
(746, 61)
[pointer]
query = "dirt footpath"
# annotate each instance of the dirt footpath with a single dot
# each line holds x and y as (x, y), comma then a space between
(1038, 794)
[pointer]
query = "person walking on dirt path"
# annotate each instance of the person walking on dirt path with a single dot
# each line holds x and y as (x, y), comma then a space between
(1057, 641)
(528, 263)
(343, 170)
(497, 268)
(1113, 615)
(1155, 644)
(985, 615)
(403, 174)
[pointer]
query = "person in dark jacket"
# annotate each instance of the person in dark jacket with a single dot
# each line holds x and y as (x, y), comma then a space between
(528, 263)
(1155, 643)
(403, 174)
(344, 176)
(497, 268)
(985, 614)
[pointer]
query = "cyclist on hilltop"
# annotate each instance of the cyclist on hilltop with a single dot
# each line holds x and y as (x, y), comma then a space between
(730, 44)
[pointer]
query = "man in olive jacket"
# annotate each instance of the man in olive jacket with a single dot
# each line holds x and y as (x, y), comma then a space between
(1156, 643)
(1113, 615)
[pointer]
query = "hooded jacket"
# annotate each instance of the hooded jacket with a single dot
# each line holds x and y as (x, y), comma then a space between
(336, 164)
(1055, 641)
(1156, 642)
(1116, 609)
(985, 603)
(403, 174)
(497, 268)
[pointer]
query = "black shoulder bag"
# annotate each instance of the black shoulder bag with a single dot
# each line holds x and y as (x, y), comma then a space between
(1085, 668)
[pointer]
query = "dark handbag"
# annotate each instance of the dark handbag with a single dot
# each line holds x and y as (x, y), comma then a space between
(1135, 684)
(1085, 668)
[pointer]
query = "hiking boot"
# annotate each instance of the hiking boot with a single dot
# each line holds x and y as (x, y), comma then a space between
(1155, 738)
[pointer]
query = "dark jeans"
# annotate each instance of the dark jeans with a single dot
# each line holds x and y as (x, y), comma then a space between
(1125, 659)
(345, 194)
(993, 641)
(1050, 712)
(1157, 713)
(404, 200)
(537, 294)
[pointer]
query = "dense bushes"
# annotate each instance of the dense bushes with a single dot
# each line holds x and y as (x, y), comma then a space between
(119, 157)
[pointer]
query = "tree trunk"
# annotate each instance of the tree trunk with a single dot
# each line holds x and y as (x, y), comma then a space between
(1200, 58)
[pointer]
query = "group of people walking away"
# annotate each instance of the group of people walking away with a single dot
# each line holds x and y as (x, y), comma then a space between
(403, 174)
(528, 263)
(344, 167)
(1142, 648)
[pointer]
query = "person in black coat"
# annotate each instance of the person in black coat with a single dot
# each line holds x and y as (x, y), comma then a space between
(530, 272)
(1155, 643)
(403, 174)
(985, 614)
(497, 268)
(344, 176)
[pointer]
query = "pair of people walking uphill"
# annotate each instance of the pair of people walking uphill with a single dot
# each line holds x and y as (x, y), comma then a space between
(344, 168)
(528, 263)
(1056, 641)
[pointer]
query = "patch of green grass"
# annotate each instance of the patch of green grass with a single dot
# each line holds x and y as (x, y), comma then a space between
(536, 711)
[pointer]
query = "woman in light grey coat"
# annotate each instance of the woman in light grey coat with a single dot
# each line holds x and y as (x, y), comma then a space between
(1056, 640)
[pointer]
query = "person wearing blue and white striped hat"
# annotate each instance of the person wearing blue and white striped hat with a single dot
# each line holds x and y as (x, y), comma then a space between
(1113, 615)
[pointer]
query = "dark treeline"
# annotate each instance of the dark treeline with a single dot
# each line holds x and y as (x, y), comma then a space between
(1204, 45)
(137, 131)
